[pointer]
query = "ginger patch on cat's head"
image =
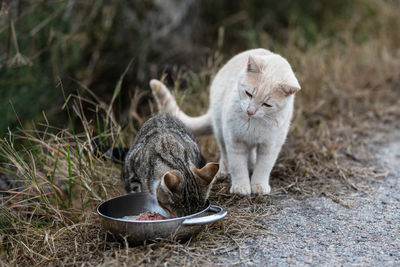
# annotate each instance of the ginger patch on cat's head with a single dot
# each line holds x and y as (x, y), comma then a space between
(265, 85)
(253, 66)
(288, 89)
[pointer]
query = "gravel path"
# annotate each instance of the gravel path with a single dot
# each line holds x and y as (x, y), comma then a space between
(318, 231)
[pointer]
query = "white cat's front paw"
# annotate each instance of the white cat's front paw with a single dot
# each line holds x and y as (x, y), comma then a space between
(241, 189)
(260, 189)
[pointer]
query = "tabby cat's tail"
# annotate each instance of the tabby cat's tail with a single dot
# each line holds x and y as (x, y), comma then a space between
(166, 103)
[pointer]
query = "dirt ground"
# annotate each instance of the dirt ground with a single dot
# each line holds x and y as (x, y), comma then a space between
(319, 231)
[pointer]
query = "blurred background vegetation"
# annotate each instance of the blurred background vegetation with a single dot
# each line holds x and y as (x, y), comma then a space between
(99, 55)
(54, 45)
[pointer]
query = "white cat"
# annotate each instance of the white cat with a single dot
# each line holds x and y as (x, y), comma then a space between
(251, 105)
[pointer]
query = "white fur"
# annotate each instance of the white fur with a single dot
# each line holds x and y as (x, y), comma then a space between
(249, 142)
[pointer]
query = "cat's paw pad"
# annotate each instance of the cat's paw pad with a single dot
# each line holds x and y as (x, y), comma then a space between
(260, 189)
(240, 189)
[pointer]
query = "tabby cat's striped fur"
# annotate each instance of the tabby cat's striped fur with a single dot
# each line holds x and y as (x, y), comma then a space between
(165, 160)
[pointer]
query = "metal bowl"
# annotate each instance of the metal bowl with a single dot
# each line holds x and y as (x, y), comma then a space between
(136, 232)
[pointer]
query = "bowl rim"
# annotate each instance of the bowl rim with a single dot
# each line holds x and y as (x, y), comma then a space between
(208, 204)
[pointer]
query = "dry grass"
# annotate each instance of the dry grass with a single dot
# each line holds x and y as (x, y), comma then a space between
(350, 91)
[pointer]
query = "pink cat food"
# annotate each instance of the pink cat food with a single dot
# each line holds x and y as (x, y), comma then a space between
(150, 216)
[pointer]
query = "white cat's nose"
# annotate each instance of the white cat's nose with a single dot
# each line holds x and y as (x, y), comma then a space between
(251, 109)
(250, 112)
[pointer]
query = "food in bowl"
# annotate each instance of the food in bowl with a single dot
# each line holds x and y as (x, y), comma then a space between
(146, 216)
(150, 216)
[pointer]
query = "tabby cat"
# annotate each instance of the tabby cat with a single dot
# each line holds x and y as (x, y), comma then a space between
(165, 160)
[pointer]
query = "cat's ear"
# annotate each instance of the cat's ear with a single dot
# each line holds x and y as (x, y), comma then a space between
(208, 172)
(252, 65)
(171, 182)
(289, 89)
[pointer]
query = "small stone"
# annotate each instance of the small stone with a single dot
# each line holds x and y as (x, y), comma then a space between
(312, 244)
(381, 258)
(325, 243)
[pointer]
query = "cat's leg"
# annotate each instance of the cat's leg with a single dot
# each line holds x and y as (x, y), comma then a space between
(266, 157)
(251, 162)
(237, 155)
(223, 167)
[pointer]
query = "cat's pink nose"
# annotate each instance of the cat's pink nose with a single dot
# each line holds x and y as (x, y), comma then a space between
(250, 112)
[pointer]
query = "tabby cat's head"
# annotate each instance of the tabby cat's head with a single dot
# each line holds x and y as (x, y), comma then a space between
(266, 85)
(181, 194)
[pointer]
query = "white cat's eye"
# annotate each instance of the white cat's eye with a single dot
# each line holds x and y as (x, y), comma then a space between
(266, 105)
(248, 94)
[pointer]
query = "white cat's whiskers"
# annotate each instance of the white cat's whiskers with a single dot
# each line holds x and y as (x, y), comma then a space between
(248, 124)
(268, 118)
